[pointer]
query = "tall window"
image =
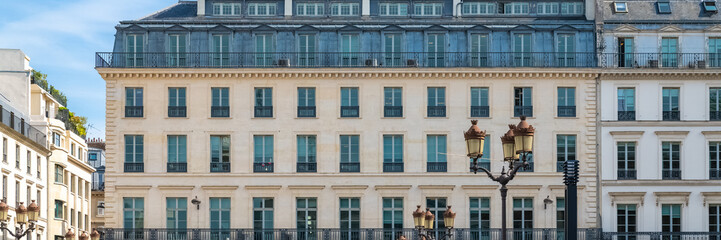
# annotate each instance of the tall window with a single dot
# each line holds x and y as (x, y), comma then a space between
(307, 217)
(516, 8)
(264, 49)
(670, 218)
(5, 149)
(565, 150)
(714, 158)
(56, 142)
(671, 110)
(349, 153)
(522, 49)
(479, 49)
(435, 49)
(714, 51)
(262, 9)
(177, 153)
(436, 153)
(626, 157)
(626, 56)
(669, 52)
(437, 206)
(572, 8)
(59, 207)
(29, 162)
(309, 9)
(714, 95)
(133, 213)
(263, 217)
(478, 8)
(349, 102)
(671, 157)
(523, 101)
(306, 102)
(428, 9)
(392, 218)
(220, 218)
(350, 46)
(307, 48)
(221, 49)
(714, 218)
(626, 220)
(176, 102)
(523, 218)
(394, 9)
(626, 104)
(134, 45)
(133, 102)
(567, 102)
(306, 153)
(345, 9)
(5, 187)
(560, 218)
(220, 153)
(393, 102)
(263, 102)
(480, 217)
(263, 153)
(392, 153)
(479, 102)
(59, 174)
(176, 47)
(220, 104)
(392, 45)
(226, 9)
(547, 8)
(566, 50)
(350, 218)
(134, 153)
(436, 102)
(176, 213)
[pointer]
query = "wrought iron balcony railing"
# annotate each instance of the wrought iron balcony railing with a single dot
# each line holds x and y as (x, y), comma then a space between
(523, 111)
(133, 111)
(660, 60)
(177, 111)
(671, 174)
(177, 167)
(626, 174)
(219, 167)
(437, 167)
(481, 164)
(219, 111)
(306, 111)
(715, 115)
(626, 115)
(714, 173)
(528, 169)
(349, 167)
(392, 166)
(567, 111)
(671, 115)
(263, 167)
(480, 111)
(134, 167)
(349, 111)
(264, 111)
(392, 111)
(307, 167)
(18, 124)
(436, 111)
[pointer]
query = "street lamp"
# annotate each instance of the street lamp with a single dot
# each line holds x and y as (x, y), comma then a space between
(23, 216)
(84, 236)
(70, 234)
(517, 144)
(423, 221)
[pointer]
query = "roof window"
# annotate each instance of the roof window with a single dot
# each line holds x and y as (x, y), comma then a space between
(620, 7)
(710, 6)
(663, 6)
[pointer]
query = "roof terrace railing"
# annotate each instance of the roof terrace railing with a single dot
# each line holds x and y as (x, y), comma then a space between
(21, 126)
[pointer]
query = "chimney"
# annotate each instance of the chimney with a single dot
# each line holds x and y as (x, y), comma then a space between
(201, 7)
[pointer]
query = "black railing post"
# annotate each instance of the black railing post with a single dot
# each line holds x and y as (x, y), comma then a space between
(570, 177)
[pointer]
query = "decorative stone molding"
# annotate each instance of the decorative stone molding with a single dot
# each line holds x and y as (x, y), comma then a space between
(349, 187)
(306, 187)
(626, 133)
(671, 197)
(671, 133)
(219, 187)
(392, 187)
(714, 197)
(133, 187)
(176, 187)
(525, 187)
(626, 197)
(263, 187)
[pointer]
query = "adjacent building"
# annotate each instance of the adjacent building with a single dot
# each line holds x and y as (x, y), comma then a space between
(96, 159)
(345, 115)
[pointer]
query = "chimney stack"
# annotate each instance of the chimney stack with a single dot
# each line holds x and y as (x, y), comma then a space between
(201, 7)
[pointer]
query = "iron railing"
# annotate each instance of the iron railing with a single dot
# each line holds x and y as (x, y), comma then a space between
(306, 167)
(481, 164)
(529, 167)
(714, 173)
(177, 111)
(219, 167)
(390, 166)
(660, 236)
(306, 111)
(263, 111)
(349, 111)
(18, 124)
(261, 167)
(659, 60)
(671, 115)
(437, 167)
(219, 111)
(567, 111)
(627, 174)
(480, 111)
(436, 111)
(134, 167)
(714, 115)
(523, 111)
(626, 115)
(133, 111)
(671, 174)
(98, 186)
(392, 111)
(177, 167)
(349, 167)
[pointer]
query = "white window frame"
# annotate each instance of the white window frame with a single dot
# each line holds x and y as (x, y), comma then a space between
(219, 9)
(474, 8)
(271, 9)
(547, 8)
(510, 8)
(302, 9)
(401, 9)
(337, 9)
(419, 9)
(572, 8)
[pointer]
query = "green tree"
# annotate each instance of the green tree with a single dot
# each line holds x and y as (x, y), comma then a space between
(40, 79)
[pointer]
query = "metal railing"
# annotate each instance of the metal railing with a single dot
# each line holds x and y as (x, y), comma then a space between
(437, 167)
(18, 124)
(219, 111)
(263, 111)
(177, 111)
(480, 111)
(481, 164)
(392, 111)
(261, 167)
(133, 111)
(714, 115)
(528, 169)
(349, 167)
(392, 166)
(567, 111)
(671, 115)
(219, 167)
(714, 173)
(134, 167)
(177, 167)
(626, 115)
(671, 174)
(349, 111)
(629, 174)
(660, 236)
(98, 186)
(306, 111)
(436, 111)
(523, 111)
(306, 167)
(659, 60)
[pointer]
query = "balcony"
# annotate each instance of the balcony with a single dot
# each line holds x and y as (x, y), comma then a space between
(671, 115)
(436, 111)
(219, 167)
(349, 167)
(19, 125)
(392, 166)
(566, 111)
(98, 186)
(306, 167)
(527, 169)
(523, 111)
(480, 111)
(263, 167)
(177, 167)
(714, 174)
(134, 167)
(177, 111)
(481, 164)
(263, 111)
(671, 174)
(715, 115)
(660, 60)
(133, 111)
(220, 111)
(628, 174)
(626, 115)
(392, 111)
(349, 111)
(437, 167)
(306, 111)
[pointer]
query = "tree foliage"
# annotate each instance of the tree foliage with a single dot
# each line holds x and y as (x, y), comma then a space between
(76, 123)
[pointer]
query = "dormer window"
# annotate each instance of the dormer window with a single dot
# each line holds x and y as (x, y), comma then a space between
(261, 9)
(710, 6)
(620, 7)
(663, 6)
(226, 9)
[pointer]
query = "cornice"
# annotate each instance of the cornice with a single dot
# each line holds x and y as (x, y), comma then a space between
(626, 133)
(263, 187)
(392, 187)
(306, 187)
(658, 74)
(349, 187)
(219, 187)
(176, 187)
(436, 187)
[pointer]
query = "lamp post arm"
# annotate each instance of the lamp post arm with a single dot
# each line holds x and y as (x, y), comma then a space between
(19, 232)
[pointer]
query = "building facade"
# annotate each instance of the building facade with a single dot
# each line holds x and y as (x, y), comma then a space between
(96, 159)
(319, 125)
(660, 132)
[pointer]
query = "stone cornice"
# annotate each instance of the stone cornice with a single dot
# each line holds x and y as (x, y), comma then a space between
(658, 74)
(392, 187)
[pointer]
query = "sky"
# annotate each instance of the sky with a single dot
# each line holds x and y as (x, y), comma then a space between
(61, 38)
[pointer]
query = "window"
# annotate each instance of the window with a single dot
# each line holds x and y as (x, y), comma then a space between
(226, 9)
(349, 153)
(72, 149)
(220, 106)
(670, 104)
(437, 206)
(220, 214)
(93, 156)
(306, 102)
(626, 56)
(176, 213)
(59, 174)
(436, 50)
(626, 160)
(309, 9)
(177, 153)
(263, 102)
(663, 6)
(133, 153)
(350, 46)
(714, 149)
(263, 152)
(306, 217)
(349, 218)
(349, 102)
(221, 49)
(714, 51)
(392, 153)
(523, 102)
(261, 9)
(394, 9)
(620, 7)
(523, 217)
(436, 145)
(176, 102)
(345, 9)
(669, 52)
(565, 150)
(392, 102)
(133, 212)
(479, 102)
(39, 166)
(714, 218)
(263, 216)
(516, 8)
(436, 102)
(670, 218)
(560, 218)
(480, 217)
(626, 220)
(671, 157)
(572, 8)
(56, 142)
(306, 48)
(522, 49)
(567, 102)
(392, 44)
(428, 9)
(5, 148)
(710, 6)
(626, 104)
(17, 156)
(392, 218)
(547, 8)
(479, 49)
(176, 47)
(306, 153)
(38, 198)
(478, 8)
(265, 49)
(133, 102)
(29, 162)
(134, 45)
(17, 193)
(5, 187)
(566, 50)
(714, 104)
(59, 207)
(220, 153)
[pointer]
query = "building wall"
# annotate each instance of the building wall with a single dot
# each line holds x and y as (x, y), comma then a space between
(15, 74)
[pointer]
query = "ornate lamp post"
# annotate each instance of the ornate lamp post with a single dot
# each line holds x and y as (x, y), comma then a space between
(84, 236)
(517, 143)
(423, 220)
(95, 235)
(23, 216)
(70, 234)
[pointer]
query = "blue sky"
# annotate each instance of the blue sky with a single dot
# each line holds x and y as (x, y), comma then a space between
(61, 38)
